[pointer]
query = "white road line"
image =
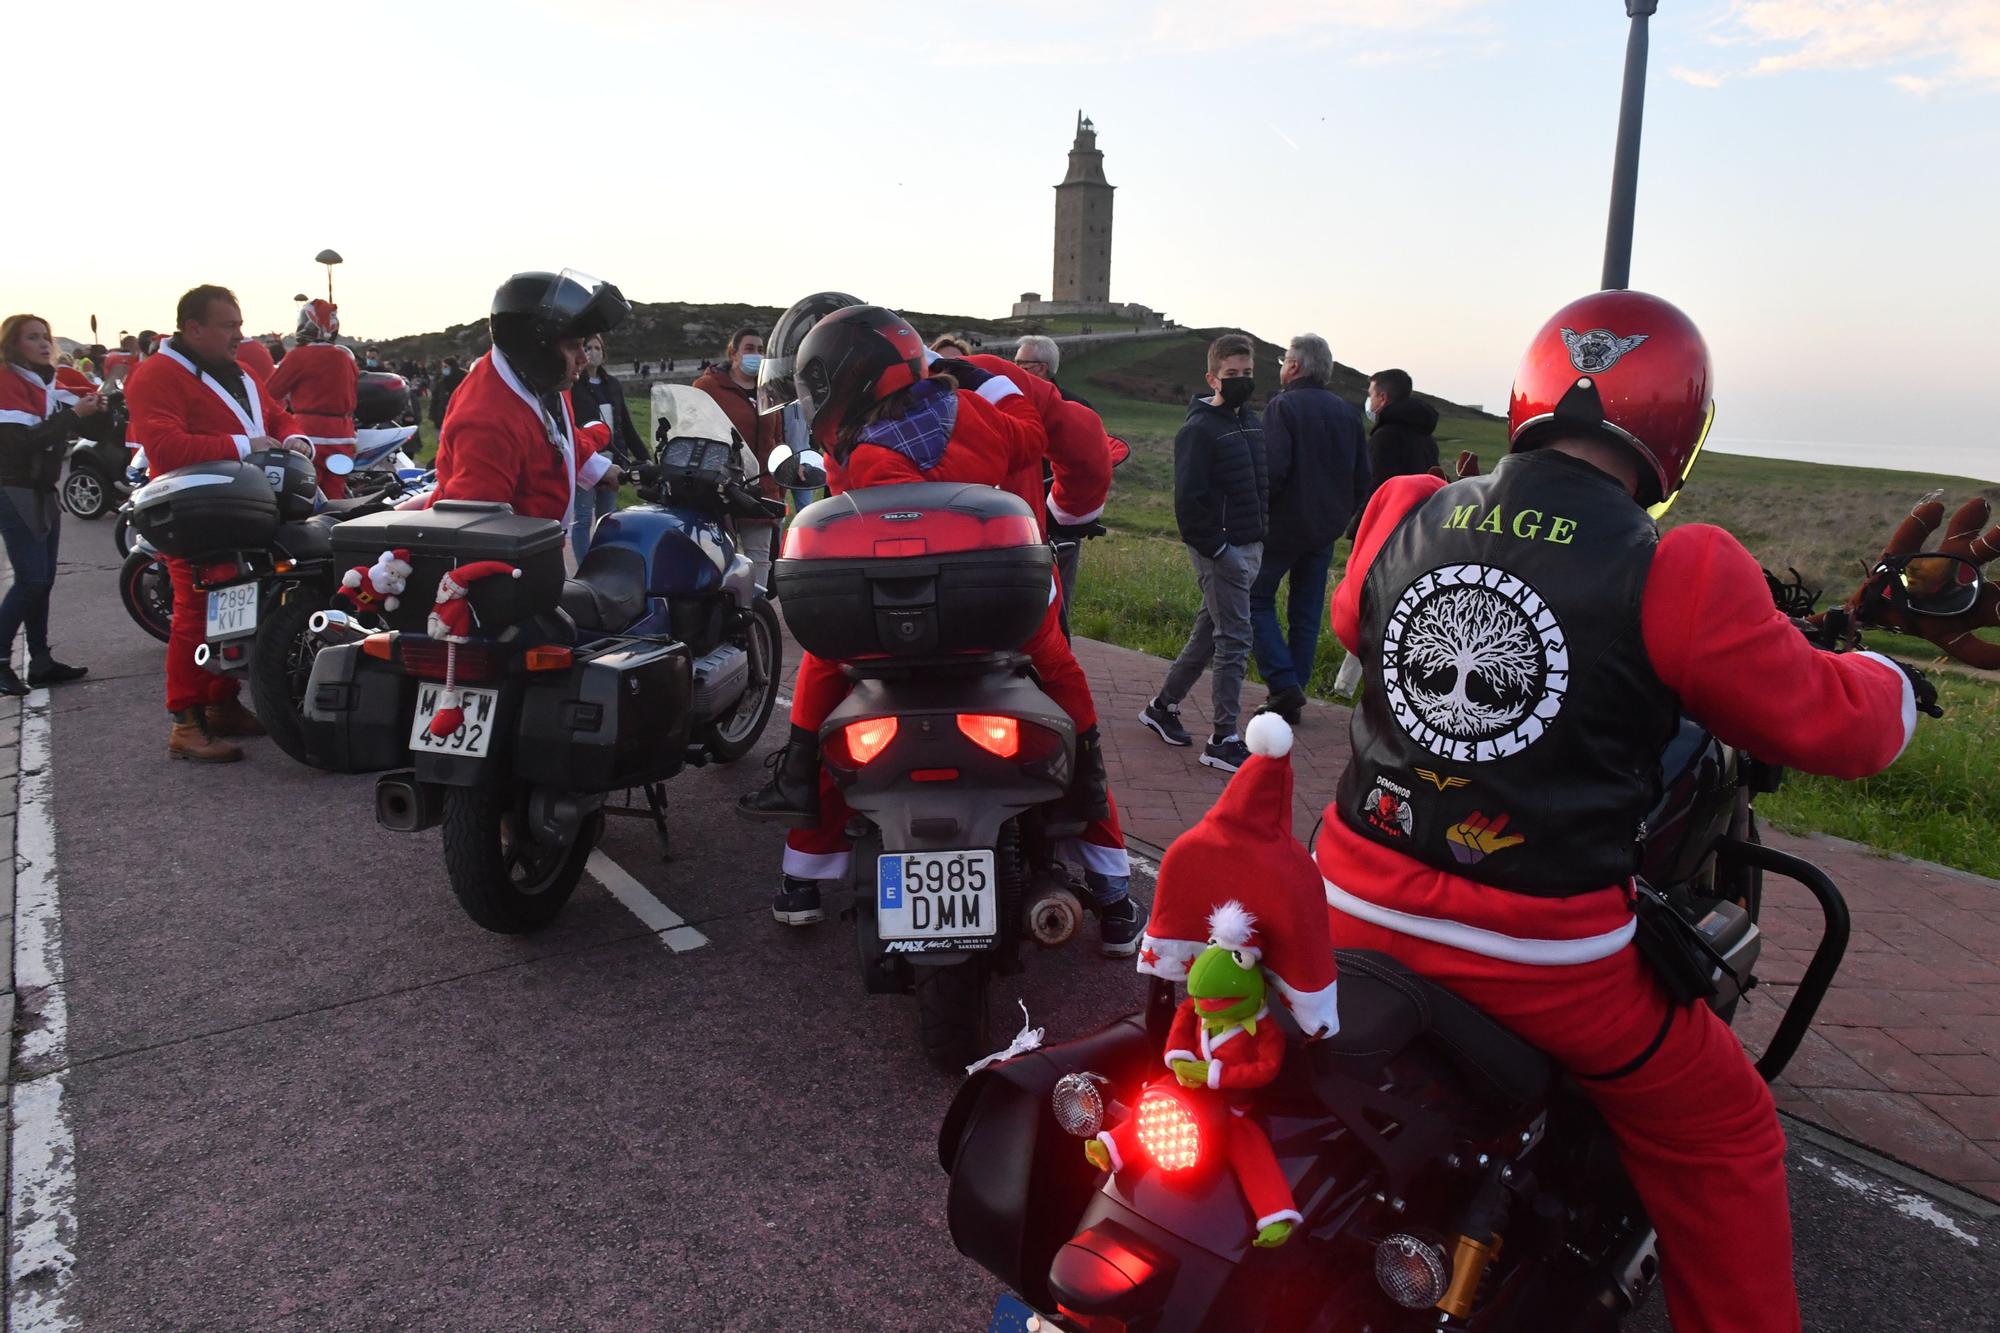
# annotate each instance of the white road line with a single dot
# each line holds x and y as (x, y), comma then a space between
(1907, 1202)
(674, 932)
(41, 1262)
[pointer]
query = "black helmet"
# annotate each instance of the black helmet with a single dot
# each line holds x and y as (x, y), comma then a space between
(852, 360)
(532, 312)
(776, 388)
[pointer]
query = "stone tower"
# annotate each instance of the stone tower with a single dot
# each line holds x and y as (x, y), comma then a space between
(1083, 222)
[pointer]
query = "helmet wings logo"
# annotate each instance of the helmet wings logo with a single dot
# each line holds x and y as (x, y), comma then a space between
(1598, 350)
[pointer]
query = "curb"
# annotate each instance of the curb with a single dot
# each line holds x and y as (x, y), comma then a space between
(10, 766)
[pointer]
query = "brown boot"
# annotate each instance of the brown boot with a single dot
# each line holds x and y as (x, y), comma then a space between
(191, 739)
(231, 718)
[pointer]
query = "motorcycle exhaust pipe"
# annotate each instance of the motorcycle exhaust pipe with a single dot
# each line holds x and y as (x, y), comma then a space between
(201, 655)
(1053, 917)
(404, 805)
(335, 627)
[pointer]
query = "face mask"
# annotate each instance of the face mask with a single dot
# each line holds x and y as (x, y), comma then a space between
(594, 356)
(1368, 411)
(751, 361)
(1236, 391)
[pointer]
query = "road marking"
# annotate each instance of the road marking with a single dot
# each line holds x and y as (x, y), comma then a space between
(41, 1203)
(1907, 1202)
(657, 917)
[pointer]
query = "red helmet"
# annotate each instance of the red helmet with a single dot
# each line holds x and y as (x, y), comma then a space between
(318, 321)
(1625, 366)
(852, 360)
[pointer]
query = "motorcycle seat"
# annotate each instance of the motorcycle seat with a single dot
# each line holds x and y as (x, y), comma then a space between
(346, 505)
(306, 539)
(1385, 1008)
(609, 590)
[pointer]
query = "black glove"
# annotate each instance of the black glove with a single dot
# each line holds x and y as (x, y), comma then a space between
(1927, 698)
(1075, 532)
(968, 375)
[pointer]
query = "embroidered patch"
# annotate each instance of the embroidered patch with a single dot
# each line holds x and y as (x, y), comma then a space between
(1476, 837)
(1597, 350)
(1387, 808)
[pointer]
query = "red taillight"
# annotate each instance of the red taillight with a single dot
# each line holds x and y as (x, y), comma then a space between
(867, 739)
(999, 736)
(1169, 1131)
(933, 775)
(427, 659)
(221, 572)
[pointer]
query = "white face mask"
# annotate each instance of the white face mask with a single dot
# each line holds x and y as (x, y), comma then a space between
(1368, 410)
(750, 361)
(593, 356)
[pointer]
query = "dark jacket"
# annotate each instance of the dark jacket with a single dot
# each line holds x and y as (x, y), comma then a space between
(761, 433)
(1318, 465)
(441, 392)
(1220, 483)
(32, 456)
(586, 398)
(1401, 444)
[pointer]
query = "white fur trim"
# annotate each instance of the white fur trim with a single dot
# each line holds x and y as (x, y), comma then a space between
(1909, 701)
(1214, 1074)
(1177, 1054)
(816, 865)
(592, 469)
(1282, 1215)
(1117, 1162)
(1230, 925)
(1268, 735)
(1488, 943)
(997, 388)
(1067, 519)
(242, 446)
(1316, 1012)
(1174, 957)
(1104, 860)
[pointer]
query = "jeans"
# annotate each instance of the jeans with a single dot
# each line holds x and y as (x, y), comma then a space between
(753, 542)
(1286, 659)
(33, 558)
(1221, 632)
(592, 503)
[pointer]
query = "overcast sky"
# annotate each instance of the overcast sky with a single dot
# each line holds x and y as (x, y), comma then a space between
(1421, 181)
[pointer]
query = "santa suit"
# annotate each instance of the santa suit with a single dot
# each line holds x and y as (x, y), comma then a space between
(318, 383)
(499, 442)
(997, 439)
(73, 382)
(1695, 1126)
(1079, 452)
(1238, 1061)
(182, 415)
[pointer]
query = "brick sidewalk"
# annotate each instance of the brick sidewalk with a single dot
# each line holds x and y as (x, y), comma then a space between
(1901, 1057)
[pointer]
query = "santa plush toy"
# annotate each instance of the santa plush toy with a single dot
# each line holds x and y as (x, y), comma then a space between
(377, 587)
(451, 620)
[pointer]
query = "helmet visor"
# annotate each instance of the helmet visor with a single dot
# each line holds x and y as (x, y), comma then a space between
(777, 385)
(576, 305)
(1659, 510)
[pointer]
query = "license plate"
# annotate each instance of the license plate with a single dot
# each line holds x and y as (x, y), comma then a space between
(232, 611)
(933, 897)
(1013, 1315)
(473, 735)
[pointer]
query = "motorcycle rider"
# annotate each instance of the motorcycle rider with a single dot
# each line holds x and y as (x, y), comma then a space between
(510, 434)
(190, 402)
(318, 381)
(886, 412)
(1529, 639)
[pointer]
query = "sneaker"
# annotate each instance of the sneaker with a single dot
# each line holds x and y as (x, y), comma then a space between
(1165, 721)
(1288, 703)
(797, 903)
(1227, 753)
(1119, 926)
(52, 672)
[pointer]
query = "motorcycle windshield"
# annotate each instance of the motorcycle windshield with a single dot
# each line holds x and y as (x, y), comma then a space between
(683, 412)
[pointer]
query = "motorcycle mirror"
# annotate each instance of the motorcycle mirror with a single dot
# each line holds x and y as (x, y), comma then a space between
(1931, 584)
(340, 464)
(806, 469)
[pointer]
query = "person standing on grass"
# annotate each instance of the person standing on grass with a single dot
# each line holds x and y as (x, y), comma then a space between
(1318, 470)
(598, 396)
(1400, 444)
(448, 380)
(1220, 490)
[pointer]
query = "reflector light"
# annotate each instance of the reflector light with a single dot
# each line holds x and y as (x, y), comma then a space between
(428, 659)
(999, 736)
(933, 775)
(550, 657)
(1078, 1105)
(381, 647)
(867, 739)
(1411, 1271)
(1168, 1131)
(233, 653)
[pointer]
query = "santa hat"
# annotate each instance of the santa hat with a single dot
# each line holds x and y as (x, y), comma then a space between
(1239, 878)
(451, 621)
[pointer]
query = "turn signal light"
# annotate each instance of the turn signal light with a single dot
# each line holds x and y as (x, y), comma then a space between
(1168, 1131)
(381, 647)
(999, 736)
(550, 657)
(867, 739)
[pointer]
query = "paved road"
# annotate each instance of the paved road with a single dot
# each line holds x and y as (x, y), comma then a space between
(305, 1092)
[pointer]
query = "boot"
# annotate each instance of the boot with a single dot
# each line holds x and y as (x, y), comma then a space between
(191, 739)
(231, 718)
(792, 794)
(10, 684)
(1089, 795)
(48, 671)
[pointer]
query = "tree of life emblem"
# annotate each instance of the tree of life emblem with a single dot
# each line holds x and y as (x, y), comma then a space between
(1474, 663)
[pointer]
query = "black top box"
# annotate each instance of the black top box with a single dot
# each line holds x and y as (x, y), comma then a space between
(206, 507)
(457, 532)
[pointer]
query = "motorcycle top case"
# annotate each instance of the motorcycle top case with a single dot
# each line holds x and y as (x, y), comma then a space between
(380, 398)
(617, 718)
(458, 532)
(206, 507)
(914, 571)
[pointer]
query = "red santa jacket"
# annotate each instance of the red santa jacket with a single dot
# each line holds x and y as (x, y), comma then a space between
(1239, 1060)
(996, 440)
(1079, 452)
(73, 382)
(1713, 637)
(181, 415)
(498, 443)
(317, 382)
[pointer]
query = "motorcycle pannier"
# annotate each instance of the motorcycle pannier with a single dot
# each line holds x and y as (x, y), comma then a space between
(618, 718)
(206, 507)
(458, 532)
(357, 712)
(914, 571)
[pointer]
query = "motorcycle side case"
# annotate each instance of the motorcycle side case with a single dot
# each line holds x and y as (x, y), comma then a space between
(207, 507)
(456, 532)
(357, 712)
(618, 718)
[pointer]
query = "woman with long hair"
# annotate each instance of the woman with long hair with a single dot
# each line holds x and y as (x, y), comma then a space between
(38, 416)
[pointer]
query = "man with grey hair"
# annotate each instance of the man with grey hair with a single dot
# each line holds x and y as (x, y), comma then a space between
(1038, 356)
(1318, 461)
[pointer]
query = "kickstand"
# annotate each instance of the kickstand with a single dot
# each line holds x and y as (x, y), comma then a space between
(656, 797)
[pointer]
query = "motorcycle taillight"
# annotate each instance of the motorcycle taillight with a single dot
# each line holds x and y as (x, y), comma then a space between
(867, 739)
(219, 571)
(1169, 1130)
(428, 658)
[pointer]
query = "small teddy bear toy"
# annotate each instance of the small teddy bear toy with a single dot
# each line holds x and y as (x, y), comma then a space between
(378, 587)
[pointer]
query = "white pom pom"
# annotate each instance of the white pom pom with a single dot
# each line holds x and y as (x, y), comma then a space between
(1230, 925)
(514, 573)
(1268, 735)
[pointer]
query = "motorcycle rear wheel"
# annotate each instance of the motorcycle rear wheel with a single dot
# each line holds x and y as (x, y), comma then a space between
(85, 492)
(505, 881)
(731, 737)
(280, 672)
(952, 1025)
(148, 594)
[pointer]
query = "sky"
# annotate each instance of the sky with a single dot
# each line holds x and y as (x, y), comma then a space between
(1419, 181)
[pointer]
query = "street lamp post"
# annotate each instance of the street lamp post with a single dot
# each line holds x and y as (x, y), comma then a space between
(328, 258)
(1625, 168)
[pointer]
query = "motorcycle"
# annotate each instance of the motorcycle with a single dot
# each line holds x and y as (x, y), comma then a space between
(661, 652)
(1415, 1140)
(946, 748)
(96, 480)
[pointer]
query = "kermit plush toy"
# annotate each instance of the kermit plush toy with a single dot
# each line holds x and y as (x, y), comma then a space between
(1224, 1040)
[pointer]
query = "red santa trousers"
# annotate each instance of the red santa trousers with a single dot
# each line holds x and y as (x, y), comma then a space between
(821, 852)
(188, 686)
(1250, 1157)
(1695, 1125)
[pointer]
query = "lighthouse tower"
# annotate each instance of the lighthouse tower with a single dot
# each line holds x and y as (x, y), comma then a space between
(1083, 223)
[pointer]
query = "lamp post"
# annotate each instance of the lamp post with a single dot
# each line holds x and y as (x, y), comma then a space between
(1625, 167)
(328, 258)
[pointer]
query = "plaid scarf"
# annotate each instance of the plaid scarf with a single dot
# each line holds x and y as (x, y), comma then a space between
(922, 432)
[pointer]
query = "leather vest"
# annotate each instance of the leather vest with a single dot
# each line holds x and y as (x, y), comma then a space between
(1512, 725)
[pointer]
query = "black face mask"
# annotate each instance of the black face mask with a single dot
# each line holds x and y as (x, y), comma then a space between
(1236, 391)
